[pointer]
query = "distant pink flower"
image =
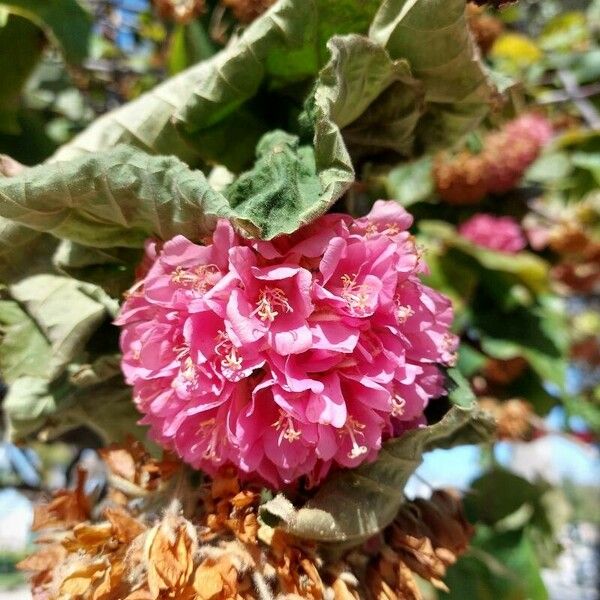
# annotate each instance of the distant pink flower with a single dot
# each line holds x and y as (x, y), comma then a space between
(496, 233)
(290, 356)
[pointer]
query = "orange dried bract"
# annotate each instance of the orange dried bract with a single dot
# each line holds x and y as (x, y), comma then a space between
(66, 509)
(130, 461)
(169, 556)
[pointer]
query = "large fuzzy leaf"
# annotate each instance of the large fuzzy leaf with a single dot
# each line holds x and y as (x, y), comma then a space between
(203, 114)
(22, 250)
(113, 198)
(65, 22)
(433, 36)
(65, 311)
(91, 394)
(24, 349)
(372, 98)
(353, 505)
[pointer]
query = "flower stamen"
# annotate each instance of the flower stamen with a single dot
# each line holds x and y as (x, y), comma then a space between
(286, 425)
(355, 295)
(269, 300)
(200, 279)
(354, 428)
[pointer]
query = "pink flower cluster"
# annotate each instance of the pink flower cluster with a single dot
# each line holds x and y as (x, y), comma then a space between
(496, 233)
(286, 357)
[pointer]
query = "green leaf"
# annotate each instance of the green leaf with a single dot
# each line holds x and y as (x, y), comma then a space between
(24, 349)
(353, 505)
(65, 311)
(16, 67)
(550, 167)
(22, 250)
(207, 113)
(112, 269)
(530, 269)
(91, 394)
(65, 22)
(284, 190)
(190, 43)
(506, 501)
(497, 566)
(460, 392)
(433, 36)
(537, 334)
(411, 182)
(372, 98)
(113, 198)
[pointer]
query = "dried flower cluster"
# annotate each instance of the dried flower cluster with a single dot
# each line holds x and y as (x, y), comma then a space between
(425, 539)
(513, 417)
(572, 233)
(245, 11)
(466, 178)
(284, 358)
(141, 551)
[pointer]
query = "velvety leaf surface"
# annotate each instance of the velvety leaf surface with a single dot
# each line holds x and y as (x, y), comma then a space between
(355, 504)
(433, 36)
(64, 310)
(113, 198)
(24, 349)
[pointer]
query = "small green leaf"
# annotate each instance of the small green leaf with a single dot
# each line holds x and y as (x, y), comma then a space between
(113, 198)
(284, 190)
(353, 505)
(460, 392)
(411, 182)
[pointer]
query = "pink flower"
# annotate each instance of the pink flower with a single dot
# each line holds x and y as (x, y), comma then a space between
(496, 233)
(286, 357)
